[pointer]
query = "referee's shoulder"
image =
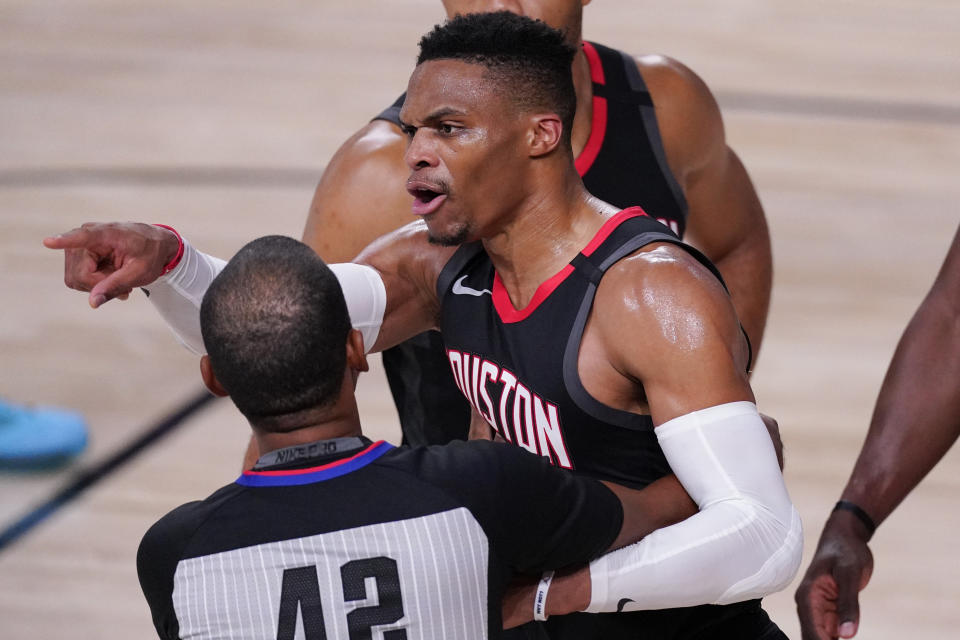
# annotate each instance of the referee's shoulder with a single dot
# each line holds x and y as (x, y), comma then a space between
(459, 457)
(181, 523)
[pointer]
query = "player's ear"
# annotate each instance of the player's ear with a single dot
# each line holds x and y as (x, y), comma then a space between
(356, 355)
(545, 134)
(206, 372)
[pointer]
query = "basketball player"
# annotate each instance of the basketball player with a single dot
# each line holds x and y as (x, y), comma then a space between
(646, 132)
(573, 327)
(914, 423)
(338, 534)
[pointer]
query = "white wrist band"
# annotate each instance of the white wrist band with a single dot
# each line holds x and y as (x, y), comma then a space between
(540, 600)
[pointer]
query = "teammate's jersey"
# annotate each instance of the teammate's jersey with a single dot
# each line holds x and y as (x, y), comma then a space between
(346, 538)
(518, 368)
(623, 163)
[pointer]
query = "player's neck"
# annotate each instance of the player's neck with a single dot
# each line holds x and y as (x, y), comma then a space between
(546, 234)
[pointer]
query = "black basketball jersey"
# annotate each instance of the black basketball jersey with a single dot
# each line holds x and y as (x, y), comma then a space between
(518, 368)
(348, 538)
(623, 163)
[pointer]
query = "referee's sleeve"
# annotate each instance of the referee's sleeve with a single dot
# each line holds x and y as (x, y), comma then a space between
(157, 559)
(538, 517)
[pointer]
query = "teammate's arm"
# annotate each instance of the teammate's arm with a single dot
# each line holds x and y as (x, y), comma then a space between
(726, 220)
(361, 195)
(914, 423)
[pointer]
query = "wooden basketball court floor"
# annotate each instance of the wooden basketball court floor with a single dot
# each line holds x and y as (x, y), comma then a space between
(218, 117)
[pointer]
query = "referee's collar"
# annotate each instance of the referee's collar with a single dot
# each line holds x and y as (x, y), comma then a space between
(312, 454)
(316, 465)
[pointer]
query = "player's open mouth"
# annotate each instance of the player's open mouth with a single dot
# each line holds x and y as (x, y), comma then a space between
(427, 198)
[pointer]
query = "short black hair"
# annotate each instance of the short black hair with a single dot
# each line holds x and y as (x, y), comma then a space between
(533, 57)
(275, 326)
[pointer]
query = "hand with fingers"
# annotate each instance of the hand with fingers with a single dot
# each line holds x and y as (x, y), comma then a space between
(827, 598)
(110, 259)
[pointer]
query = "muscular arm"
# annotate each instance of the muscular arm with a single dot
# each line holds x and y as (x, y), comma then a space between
(726, 220)
(361, 195)
(686, 360)
(914, 423)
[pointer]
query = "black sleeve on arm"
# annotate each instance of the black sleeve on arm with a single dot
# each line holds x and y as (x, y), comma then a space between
(157, 558)
(537, 516)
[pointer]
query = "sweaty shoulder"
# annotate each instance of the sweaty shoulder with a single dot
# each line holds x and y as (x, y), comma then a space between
(687, 114)
(684, 332)
(361, 194)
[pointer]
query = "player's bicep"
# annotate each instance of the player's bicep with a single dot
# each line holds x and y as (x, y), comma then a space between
(361, 194)
(688, 352)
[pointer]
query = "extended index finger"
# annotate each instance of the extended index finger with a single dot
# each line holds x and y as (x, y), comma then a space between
(74, 239)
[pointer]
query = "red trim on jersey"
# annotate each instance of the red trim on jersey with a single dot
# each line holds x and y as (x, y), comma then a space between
(598, 123)
(596, 66)
(609, 226)
(501, 299)
(297, 472)
(505, 309)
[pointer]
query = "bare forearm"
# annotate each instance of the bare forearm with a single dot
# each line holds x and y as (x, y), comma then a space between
(917, 416)
(727, 223)
(657, 505)
(748, 272)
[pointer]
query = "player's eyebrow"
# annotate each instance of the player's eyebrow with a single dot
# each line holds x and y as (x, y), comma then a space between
(443, 112)
(436, 115)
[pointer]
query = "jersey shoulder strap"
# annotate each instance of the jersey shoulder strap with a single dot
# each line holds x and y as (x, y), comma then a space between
(631, 235)
(622, 80)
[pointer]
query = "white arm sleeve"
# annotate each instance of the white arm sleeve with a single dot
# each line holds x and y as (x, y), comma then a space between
(745, 542)
(366, 298)
(178, 294)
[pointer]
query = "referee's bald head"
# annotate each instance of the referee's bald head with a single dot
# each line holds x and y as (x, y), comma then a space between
(275, 326)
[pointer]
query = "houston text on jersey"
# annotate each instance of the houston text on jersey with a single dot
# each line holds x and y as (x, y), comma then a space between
(518, 414)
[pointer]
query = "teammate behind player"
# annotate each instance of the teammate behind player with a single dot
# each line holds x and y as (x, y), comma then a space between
(338, 534)
(646, 131)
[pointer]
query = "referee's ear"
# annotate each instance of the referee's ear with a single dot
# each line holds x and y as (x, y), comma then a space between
(356, 353)
(206, 372)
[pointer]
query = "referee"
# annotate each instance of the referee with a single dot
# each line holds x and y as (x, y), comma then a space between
(331, 535)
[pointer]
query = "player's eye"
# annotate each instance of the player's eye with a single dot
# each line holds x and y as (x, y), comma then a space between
(447, 128)
(408, 130)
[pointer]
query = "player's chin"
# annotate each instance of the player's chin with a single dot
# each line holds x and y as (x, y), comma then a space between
(448, 235)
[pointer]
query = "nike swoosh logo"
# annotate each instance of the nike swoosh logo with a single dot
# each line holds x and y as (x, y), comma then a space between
(622, 602)
(461, 290)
